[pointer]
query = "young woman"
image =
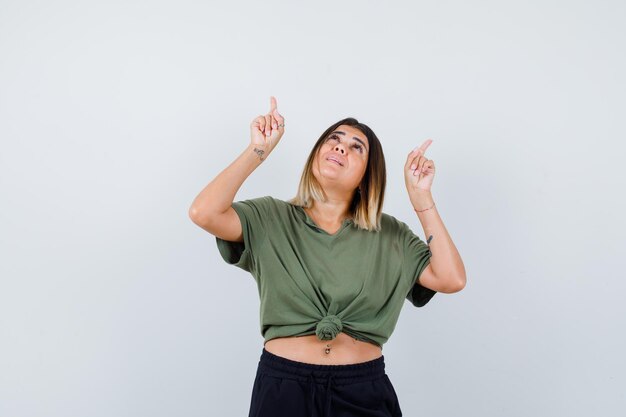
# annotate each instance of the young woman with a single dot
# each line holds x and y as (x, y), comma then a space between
(332, 269)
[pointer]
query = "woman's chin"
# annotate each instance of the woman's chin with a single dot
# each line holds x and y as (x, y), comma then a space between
(330, 173)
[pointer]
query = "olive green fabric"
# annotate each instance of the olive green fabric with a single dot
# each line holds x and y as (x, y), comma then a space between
(312, 282)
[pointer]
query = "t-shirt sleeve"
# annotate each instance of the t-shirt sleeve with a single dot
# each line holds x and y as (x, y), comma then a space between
(254, 215)
(417, 256)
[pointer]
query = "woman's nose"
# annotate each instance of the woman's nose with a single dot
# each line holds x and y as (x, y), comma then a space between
(339, 148)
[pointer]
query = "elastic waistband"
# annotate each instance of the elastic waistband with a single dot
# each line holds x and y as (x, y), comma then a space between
(342, 374)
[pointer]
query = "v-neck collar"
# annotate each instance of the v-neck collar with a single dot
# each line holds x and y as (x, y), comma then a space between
(307, 219)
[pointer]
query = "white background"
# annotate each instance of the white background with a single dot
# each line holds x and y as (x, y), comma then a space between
(114, 115)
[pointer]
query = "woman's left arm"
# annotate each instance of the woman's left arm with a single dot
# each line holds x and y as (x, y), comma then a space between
(445, 272)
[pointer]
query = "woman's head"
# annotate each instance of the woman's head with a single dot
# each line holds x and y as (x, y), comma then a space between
(360, 173)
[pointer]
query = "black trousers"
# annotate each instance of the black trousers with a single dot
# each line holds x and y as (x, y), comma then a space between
(286, 388)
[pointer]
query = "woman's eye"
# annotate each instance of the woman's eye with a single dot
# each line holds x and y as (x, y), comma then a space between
(356, 146)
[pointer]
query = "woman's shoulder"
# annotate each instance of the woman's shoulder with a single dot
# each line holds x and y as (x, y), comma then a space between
(270, 203)
(388, 220)
(392, 224)
(276, 202)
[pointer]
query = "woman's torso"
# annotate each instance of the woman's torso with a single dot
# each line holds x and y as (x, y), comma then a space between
(344, 350)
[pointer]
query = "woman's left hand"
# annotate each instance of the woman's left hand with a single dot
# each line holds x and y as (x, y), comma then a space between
(419, 171)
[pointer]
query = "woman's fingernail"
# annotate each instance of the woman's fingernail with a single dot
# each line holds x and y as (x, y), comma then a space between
(413, 166)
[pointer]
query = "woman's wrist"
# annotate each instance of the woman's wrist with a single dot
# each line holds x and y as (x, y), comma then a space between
(261, 152)
(424, 209)
(422, 201)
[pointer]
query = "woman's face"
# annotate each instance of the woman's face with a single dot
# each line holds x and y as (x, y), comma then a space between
(350, 147)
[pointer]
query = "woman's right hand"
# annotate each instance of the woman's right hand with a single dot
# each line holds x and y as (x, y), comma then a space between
(265, 131)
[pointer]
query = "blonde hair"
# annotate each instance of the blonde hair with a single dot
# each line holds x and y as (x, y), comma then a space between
(367, 202)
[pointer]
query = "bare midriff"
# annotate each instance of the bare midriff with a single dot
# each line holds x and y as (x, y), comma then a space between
(342, 350)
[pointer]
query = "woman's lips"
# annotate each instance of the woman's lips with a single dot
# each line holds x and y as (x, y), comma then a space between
(333, 161)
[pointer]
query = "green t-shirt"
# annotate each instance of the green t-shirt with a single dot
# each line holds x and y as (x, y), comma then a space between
(311, 282)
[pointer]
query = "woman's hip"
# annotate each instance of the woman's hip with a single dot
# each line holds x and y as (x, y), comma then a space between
(284, 387)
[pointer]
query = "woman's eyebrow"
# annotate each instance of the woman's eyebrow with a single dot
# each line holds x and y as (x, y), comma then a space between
(354, 137)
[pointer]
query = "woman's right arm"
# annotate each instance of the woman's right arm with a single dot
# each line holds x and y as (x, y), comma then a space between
(212, 208)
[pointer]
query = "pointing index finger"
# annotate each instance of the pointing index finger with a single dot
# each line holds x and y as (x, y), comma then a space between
(272, 104)
(422, 148)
